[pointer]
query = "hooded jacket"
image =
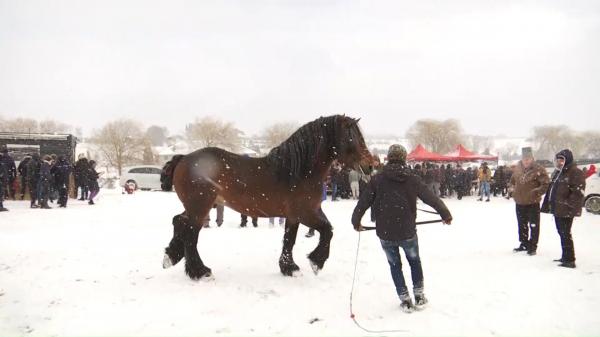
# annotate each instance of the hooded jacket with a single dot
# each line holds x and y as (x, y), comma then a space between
(565, 194)
(392, 194)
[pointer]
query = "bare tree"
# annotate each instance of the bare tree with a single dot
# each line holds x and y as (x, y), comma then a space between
(157, 135)
(20, 125)
(148, 156)
(210, 131)
(553, 138)
(28, 125)
(121, 142)
(278, 132)
(591, 144)
(52, 126)
(437, 136)
(481, 144)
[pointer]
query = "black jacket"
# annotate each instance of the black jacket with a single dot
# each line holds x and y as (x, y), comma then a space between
(61, 171)
(565, 194)
(393, 196)
(9, 165)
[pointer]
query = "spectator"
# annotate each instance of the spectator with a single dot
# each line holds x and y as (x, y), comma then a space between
(528, 184)
(564, 200)
(485, 177)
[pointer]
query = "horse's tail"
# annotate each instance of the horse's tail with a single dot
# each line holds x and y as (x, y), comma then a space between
(166, 176)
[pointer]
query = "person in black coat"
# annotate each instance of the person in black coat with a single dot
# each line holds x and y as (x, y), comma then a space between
(3, 181)
(61, 172)
(393, 194)
(81, 173)
(33, 177)
(9, 163)
(22, 169)
(91, 177)
(45, 179)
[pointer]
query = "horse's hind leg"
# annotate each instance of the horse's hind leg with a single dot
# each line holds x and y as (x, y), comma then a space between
(321, 253)
(175, 251)
(194, 267)
(196, 210)
(286, 261)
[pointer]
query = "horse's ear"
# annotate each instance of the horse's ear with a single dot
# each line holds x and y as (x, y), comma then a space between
(357, 120)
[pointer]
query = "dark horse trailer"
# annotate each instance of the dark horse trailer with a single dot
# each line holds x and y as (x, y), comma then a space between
(21, 144)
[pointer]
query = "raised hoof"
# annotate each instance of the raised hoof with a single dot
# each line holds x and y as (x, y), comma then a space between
(198, 273)
(173, 254)
(315, 264)
(315, 267)
(167, 263)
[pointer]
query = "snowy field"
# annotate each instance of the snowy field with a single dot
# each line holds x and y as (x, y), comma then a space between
(97, 270)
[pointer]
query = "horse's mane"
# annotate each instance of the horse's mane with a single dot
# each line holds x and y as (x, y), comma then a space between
(296, 157)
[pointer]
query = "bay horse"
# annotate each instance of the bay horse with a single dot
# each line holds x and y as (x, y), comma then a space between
(288, 183)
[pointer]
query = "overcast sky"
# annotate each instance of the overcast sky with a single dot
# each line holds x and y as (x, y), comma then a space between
(500, 67)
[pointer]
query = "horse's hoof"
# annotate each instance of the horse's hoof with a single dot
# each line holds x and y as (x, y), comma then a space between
(289, 270)
(197, 274)
(315, 268)
(167, 263)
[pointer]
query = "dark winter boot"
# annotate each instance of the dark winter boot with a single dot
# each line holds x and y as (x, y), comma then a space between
(310, 234)
(406, 304)
(45, 206)
(91, 202)
(487, 200)
(558, 260)
(570, 264)
(521, 248)
(3, 209)
(420, 301)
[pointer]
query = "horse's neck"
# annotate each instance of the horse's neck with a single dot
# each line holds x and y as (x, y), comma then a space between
(323, 163)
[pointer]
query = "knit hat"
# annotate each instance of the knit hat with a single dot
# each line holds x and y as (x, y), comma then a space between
(526, 152)
(397, 152)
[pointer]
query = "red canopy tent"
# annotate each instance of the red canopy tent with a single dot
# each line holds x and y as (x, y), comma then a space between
(462, 154)
(421, 154)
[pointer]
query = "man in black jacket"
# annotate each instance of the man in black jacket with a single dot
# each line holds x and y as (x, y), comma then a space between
(61, 172)
(393, 194)
(22, 169)
(33, 178)
(9, 164)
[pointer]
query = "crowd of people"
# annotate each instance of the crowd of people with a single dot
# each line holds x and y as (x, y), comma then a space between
(46, 179)
(389, 190)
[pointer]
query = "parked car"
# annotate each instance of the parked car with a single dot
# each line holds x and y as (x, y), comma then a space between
(144, 177)
(592, 194)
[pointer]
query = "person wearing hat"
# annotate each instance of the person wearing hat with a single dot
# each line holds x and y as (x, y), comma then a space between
(564, 200)
(527, 185)
(392, 195)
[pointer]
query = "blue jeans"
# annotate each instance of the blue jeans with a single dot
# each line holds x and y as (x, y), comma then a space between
(484, 189)
(411, 250)
(334, 188)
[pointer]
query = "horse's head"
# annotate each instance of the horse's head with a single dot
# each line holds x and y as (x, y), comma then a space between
(350, 145)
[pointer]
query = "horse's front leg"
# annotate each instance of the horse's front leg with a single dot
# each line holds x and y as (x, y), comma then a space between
(320, 254)
(286, 260)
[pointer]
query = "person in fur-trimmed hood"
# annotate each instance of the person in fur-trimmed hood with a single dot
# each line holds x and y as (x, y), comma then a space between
(564, 199)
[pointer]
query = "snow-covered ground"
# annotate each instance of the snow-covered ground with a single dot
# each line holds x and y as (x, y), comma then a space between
(97, 270)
